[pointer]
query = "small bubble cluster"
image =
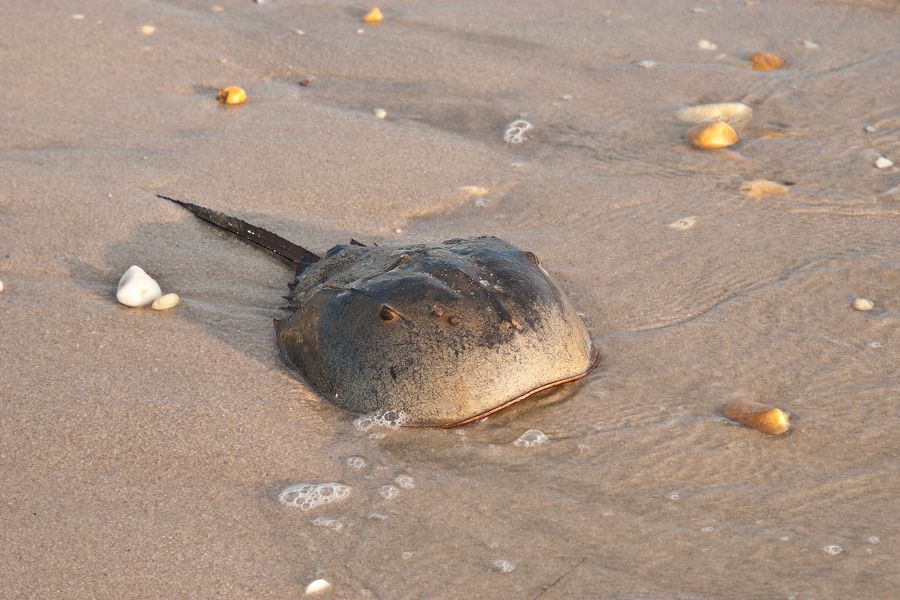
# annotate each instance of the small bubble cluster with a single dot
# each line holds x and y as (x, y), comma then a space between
(328, 523)
(531, 438)
(405, 481)
(504, 566)
(517, 132)
(833, 549)
(389, 419)
(310, 495)
(389, 492)
(673, 496)
(356, 462)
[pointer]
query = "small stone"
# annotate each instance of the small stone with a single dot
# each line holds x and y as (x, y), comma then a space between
(759, 188)
(713, 136)
(698, 11)
(810, 45)
(763, 61)
(380, 113)
(77, 17)
(232, 95)
(166, 302)
(685, 223)
(735, 113)
(760, 417)
(869, 128)
(566, 97)
(136, 288)
(317, 587)
(646, 64)
(299, 32)
(1, 286)
(216, 9)
(863, 304)
(883, 163)
(373, 17)
(148, 29)
(706, 45)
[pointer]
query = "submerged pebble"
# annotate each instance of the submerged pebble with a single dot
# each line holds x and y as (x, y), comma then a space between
(763, 61)
(883, 163)
(380, 113)
(736, 113)
(136, 288)
(863, 304)
(318, 586)
(713, 136)
(166, 302)
(232, 95)
(759, 188)
(531, 438)
(373, 17)
(306, 496)
(760, 417)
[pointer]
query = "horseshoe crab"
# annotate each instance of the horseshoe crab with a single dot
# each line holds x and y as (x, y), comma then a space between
(444, 334)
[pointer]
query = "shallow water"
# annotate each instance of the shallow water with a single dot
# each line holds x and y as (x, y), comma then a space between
(144, 454)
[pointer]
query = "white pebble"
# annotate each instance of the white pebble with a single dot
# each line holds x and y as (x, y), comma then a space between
(1, 286)
(517, 131)
(698, 11)
(863, 304)
(567, 97)
(531, 438)
(646, 64)
(136, 288)
(869, 128)
(734, 113)
(810, 45)
(299, 32)
(674, 496)
(380, 113)
(883, 163)
(833, 549)
(685, 223)
(77, 16)
(310, 495)
(706, 45)
(148, 29)
(318, 586)
(504, 566)
(166, 302)
(389, 492)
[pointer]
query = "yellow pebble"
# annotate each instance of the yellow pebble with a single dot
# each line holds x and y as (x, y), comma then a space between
(373, 17)
(232, 95)
(712, 136)
(863, 304)
(763, 61)
(166, 302)
(148, 29)
(760, 417)
(759, 188)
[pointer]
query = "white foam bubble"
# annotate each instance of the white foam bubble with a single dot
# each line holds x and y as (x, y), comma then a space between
(405, 481)
(873, 539)
(327, 523)
(673, 496)
(517, 132)
(389, 419)
(306, 496)
(406, 555)
(531, 438)
(833, 549)
(389, 492)
(504, 566)
(356, 462)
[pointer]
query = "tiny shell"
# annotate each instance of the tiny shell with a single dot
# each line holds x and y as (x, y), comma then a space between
(232, 95)
(863, 304)
(760, 417)
(883, 163)
(166, 302)
(136, 288)
(373, 17)
(712, 136)
(759, 188)
(763, 61)
(318, 586)
(735, 113)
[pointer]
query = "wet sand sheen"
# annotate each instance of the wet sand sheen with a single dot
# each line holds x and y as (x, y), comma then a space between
(144, 453)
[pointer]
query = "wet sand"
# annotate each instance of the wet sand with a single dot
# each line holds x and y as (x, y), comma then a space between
(142, 453)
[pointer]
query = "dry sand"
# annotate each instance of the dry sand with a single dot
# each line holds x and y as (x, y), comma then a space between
(142, 453)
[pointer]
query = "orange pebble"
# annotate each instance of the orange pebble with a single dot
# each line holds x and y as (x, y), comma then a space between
(763, 61)
(760, 417)
(373, 17)
(232, 95)
(712, 136)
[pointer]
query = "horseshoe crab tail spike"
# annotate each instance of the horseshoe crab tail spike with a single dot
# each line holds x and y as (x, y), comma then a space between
(290, 252)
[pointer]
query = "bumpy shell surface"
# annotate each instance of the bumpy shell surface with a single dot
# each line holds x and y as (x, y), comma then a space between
(444, 332)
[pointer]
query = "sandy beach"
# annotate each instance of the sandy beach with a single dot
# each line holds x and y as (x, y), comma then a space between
(142, 453)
